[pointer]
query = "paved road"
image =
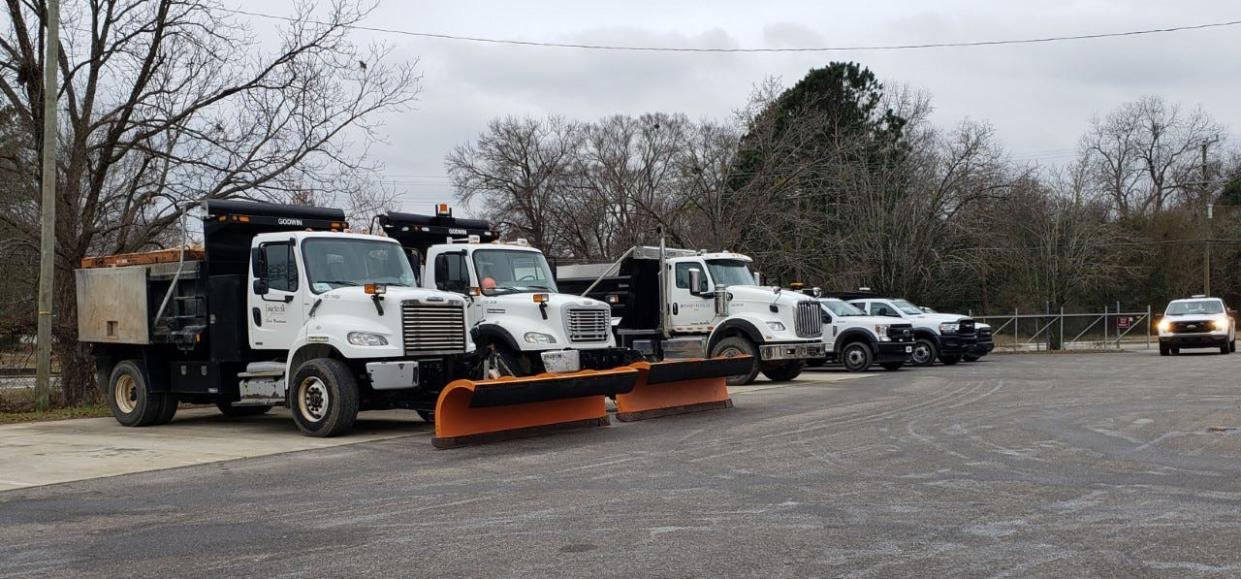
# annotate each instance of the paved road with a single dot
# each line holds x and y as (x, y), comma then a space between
(1068, 465)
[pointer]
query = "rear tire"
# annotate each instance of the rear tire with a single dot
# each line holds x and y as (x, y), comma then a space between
(1176, 351)
(925, 352)
(168, 411)
(785, 371)
(1225, 349)
(130, 396)
(1164, 350)
(737, 346)
(240, 411)
(892, 366)
(856, 357)
(950, 360)
(1232, 345)
(323, 397)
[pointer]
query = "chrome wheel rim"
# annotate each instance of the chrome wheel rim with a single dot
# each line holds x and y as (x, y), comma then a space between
(921, 353)
(126, 393)
(312, 399)
(731, 352)
(854, 357)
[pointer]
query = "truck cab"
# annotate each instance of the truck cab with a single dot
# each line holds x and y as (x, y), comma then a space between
(282, 307)
(522, 323)
(857, 340)
(677, 303)
(517, 312)
(947, 337)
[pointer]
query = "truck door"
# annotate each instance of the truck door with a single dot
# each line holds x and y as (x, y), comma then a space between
(691, 307)
(831, 327)
(276, 314)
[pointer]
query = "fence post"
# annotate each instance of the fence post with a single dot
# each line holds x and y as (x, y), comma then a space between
(1016, 323)
(1104, 326)
(1117, 324)
(1148, 327)
(1063, 347)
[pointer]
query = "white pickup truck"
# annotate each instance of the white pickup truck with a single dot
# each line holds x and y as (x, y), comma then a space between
(947, 337)
(857, 340)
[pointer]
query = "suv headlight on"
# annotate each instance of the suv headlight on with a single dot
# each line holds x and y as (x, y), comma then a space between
(1220, 325)
(367, 339)
(539, 338)
(949, 327)
(1164, 326)
(881, 330)
(776, 326)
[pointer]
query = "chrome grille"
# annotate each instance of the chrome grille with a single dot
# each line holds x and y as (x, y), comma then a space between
(430, 328)
(965, 327)
(589, 325)
(809, 320)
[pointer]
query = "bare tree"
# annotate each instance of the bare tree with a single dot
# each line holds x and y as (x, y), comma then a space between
(167, 102)
(1144, 156)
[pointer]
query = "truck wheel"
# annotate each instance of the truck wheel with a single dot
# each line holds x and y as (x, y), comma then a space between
(784, 372)
(1224, 349)
(949, 360)
(925, 352)
(856, 357)
(1164, 350)
(733, 346)
(240, 411)
(168, 411)
(323, 397)
(132, 402)
(892, 366)
(1232, 345)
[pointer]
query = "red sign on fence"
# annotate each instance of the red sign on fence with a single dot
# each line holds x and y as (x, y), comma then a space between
(1123, 323)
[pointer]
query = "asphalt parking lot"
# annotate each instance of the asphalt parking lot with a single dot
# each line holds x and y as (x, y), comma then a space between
(1068, 465)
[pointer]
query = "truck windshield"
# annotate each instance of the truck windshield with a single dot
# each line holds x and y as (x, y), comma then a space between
(840, 308)
(725, 272)
(1196, 307)
(512, 271)
(339, 262)
(907, 307)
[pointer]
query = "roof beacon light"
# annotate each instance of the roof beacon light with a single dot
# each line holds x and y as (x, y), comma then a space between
(442, 210)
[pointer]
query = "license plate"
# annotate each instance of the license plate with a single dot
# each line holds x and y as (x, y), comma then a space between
(909, 349)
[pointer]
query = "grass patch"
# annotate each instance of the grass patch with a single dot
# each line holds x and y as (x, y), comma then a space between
(18, 405)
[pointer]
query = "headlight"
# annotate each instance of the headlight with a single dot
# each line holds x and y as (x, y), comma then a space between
(1165, 325)
(948, 327)
(776, 326)
(367, 339)
(881, 330)
(539, 338)
(1221, 325)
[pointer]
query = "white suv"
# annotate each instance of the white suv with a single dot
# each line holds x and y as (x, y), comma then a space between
(1197, 322)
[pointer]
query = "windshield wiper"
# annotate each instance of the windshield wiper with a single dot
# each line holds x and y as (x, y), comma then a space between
(339, 282)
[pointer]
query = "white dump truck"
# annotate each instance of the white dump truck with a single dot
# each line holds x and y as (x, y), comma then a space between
(678, 303)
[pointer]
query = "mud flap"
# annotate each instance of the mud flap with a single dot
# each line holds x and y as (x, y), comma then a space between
(679, 387)
(480, 411)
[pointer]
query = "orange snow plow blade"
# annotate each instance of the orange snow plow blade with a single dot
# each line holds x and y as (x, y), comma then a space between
(478, 411)
(679, 387)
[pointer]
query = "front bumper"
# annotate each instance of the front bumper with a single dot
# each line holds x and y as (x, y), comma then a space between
(1194, 340)
(982, 348)
(956, 344)
(796, 351)
(894, 352)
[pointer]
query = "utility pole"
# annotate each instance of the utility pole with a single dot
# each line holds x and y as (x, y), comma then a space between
(47, 221)
(1206, 231)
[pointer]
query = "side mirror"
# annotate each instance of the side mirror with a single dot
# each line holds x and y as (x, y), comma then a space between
(827, 318)
(257, 264)
(758, 278)
(697, 285)
(260, 286)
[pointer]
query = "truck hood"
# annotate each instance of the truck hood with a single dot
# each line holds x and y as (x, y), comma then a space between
(871, 320)
(937, 318)
(765, 295)
(394, 296)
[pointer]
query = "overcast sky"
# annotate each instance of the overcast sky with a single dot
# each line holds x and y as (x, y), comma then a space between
(1038, 97)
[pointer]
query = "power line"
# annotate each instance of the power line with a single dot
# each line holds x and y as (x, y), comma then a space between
(872, 47)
